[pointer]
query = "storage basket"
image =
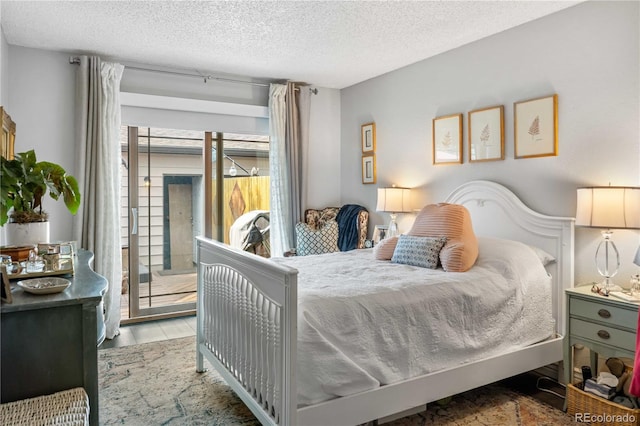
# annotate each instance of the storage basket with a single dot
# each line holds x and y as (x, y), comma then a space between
(585, 407)
(68, 408)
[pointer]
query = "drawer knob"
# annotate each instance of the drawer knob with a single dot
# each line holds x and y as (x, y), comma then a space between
(604, 334)
(604, 313)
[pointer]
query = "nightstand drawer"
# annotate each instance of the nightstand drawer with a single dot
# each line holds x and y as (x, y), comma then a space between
(621, 317)
(604, 334)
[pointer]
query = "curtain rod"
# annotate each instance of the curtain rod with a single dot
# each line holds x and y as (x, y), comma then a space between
(75, 60)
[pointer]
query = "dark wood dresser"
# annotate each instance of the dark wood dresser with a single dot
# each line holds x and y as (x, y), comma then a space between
(50, 342)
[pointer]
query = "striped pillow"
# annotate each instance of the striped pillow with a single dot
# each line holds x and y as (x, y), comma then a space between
(384, 249)
(454, 222)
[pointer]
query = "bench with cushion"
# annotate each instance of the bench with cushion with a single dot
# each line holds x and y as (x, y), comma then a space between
(332, 229)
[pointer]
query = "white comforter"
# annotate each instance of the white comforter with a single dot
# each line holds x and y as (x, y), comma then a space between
(364, 323)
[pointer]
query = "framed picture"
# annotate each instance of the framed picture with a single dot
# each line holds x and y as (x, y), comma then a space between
(368, 134)
(486, 134)
(6, 287)
(8, 135)
(536, 127)
(447, 139)
(369, 169)
(379, 233)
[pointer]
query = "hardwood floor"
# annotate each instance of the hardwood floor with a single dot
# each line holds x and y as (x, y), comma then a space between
(152, 331)
(184, 284)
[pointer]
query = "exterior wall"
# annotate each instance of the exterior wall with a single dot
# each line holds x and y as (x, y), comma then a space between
(161, 165)
(587, 54)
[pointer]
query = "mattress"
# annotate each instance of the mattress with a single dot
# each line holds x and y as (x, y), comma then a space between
(364, 323)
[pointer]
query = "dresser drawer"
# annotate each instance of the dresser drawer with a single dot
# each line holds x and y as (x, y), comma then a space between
(608, 314)
(607, 335)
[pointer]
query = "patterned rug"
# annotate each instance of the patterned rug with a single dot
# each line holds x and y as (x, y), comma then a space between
(156, 384)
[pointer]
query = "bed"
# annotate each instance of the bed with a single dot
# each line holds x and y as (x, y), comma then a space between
(253, 329)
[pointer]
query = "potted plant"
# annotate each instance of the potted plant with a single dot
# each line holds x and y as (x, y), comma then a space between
(24, 183)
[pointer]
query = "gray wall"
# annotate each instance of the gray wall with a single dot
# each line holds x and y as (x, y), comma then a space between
(587, 54)
(4, 73)
(41, 98)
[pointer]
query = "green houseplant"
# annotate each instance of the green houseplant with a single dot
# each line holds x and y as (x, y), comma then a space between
(25, 182)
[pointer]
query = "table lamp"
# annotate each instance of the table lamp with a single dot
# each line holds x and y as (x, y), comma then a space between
(608, 207)
(393, 200)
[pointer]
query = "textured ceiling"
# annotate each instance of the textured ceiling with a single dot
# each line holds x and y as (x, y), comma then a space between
(326, 43)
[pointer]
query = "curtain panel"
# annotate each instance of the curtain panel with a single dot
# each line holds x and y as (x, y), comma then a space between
(97, 224)
(289, 110)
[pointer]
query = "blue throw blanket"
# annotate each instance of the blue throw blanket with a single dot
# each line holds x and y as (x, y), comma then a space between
(347, 219)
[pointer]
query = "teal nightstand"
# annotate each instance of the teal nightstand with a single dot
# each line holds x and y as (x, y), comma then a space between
(605, 325)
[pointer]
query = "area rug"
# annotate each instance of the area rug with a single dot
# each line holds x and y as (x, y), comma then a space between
(156, 384)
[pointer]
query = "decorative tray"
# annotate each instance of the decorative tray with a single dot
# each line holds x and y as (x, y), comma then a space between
(44, 285)
(66, 269)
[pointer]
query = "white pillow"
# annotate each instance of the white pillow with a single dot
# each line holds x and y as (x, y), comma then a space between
(545, 258)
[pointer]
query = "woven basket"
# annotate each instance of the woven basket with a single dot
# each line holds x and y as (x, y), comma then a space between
(600, 411)
(68, 408)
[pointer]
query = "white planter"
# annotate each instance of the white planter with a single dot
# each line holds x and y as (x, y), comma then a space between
(22, 234)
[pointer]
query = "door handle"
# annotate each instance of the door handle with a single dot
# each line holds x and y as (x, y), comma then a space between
(134, 215)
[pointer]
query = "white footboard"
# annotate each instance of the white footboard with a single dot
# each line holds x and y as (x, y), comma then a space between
(247, 316)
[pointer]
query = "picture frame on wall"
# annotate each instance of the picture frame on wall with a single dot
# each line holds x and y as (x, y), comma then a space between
(536, 127)
(368, 135)
(447, 139)
(368, 169)
(8, 140)
(486, 134)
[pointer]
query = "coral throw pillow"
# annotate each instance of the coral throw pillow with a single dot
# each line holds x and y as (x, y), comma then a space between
(452, 221)
(385, 248)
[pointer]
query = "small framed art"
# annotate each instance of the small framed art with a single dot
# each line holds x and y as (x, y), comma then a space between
(486, 134)
(536, 127)
(379, 233)
(369, 169)
(368, 134)
(447, 139)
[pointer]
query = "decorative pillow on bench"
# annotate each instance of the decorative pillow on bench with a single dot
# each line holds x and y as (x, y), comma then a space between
(319, 241)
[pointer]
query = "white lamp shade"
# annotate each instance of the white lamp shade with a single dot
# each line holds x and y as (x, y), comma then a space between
(612, 207)
(394, 200)
(636, 260)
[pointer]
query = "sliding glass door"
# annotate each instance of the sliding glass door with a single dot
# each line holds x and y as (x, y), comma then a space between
(179, 184)
(165, 208)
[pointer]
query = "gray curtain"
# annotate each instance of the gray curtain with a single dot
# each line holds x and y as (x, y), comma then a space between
(289, 110)
(97, 224)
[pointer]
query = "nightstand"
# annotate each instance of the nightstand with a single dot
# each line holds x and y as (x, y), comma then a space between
(605, 325)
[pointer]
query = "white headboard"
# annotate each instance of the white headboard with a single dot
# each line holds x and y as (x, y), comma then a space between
(498, 212)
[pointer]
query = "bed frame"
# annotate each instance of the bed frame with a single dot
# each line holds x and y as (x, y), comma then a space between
(247, 322)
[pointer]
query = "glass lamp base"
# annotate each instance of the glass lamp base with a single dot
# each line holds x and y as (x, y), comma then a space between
(393, 226)
(609, 286)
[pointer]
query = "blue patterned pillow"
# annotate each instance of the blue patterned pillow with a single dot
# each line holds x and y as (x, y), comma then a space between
(316, 241)
(418, 251)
